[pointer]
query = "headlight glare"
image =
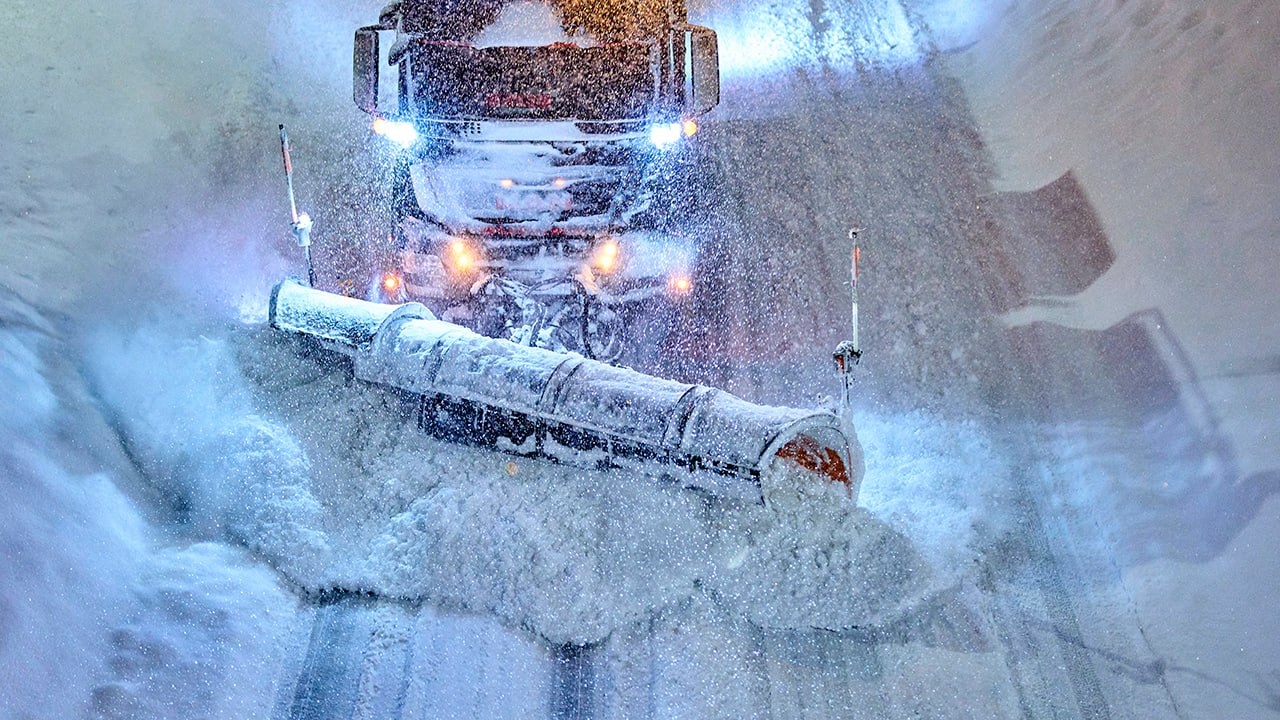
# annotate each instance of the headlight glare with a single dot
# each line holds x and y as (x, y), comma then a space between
(400, 132)
(664, 135)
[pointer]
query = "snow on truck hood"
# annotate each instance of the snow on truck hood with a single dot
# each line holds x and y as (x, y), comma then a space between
(514, 182)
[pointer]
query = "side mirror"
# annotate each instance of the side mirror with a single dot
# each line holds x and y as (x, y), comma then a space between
(364, 69)
(704, 69)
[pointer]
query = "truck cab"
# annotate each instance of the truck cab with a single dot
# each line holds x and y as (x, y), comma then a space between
(535, 141)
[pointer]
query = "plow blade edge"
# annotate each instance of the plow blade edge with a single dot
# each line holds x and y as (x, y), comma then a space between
(528, 401)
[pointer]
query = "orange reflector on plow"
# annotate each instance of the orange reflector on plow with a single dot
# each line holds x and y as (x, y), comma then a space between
(818, 458)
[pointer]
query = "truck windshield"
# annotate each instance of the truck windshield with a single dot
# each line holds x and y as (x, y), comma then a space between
(606, 82)
(607, 21)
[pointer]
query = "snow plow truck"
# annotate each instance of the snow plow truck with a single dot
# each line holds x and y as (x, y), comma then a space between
(539, 145)
(532, 143)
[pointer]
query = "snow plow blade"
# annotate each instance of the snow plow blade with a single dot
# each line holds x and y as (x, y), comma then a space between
(528, 401)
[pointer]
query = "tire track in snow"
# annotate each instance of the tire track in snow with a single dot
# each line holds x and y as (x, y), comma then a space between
(357, 657)
(328, 684)
(575, 685)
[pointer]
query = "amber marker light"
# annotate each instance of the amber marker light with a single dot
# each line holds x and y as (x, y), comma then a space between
(689, 127)
(507, 183)
(391, 282)
(680, 284)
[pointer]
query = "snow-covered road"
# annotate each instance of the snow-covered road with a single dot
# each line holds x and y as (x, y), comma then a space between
(1062, 520)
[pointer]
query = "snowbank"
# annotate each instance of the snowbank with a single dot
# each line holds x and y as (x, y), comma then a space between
(101, 611)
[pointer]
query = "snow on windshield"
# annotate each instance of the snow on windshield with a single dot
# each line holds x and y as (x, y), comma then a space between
(528, 23)
(486, 23)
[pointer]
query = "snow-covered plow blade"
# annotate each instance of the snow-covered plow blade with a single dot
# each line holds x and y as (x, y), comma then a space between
(564, 407)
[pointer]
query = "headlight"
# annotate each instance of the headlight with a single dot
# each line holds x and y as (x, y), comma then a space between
(665, 134)
(400, 132)
(461, 257)
(392, 283)
(606, 256)
(389, 288)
